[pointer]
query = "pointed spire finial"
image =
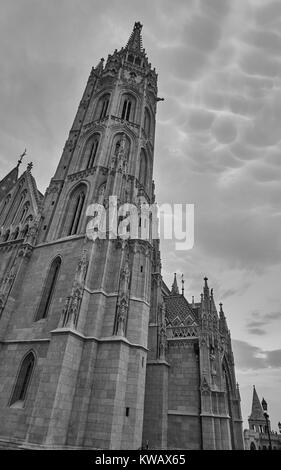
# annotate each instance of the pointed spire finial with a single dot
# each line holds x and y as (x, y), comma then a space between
(29, 167)
(135, 39)
(193, 303)
(175, 289)
(182, 284)
(21, 158)
(206, 288)
(99, 67)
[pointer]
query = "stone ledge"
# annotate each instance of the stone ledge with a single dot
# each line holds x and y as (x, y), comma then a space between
(110, 339)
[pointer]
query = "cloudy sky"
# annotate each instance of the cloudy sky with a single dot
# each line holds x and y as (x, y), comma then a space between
(218, 141)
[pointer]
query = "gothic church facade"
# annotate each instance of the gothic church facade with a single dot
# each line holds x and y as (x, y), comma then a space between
(96, 352)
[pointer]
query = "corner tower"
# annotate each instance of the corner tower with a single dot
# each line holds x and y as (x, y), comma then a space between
(78, 311)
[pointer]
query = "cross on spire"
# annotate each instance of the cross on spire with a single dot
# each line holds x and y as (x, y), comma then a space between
(21, 158)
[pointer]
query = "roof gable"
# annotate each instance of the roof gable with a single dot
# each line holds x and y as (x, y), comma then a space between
(21, 203)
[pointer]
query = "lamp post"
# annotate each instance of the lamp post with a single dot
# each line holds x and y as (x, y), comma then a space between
(264, 407)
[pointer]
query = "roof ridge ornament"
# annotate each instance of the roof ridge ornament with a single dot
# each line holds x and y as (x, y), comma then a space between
(175, 289)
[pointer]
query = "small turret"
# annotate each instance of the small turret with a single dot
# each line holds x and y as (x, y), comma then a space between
(99, 67)
(206, 289)
(257, 419)
(175, 289)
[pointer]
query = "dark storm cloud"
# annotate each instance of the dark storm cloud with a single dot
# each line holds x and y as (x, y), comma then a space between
(259, 323)
(248, 357)
(257, 331)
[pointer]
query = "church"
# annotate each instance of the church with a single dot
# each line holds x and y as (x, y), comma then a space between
(96, 352)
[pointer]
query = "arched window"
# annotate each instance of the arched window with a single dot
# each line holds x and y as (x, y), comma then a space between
(128, 105)
(91, 151)
(147, 122)
(24, 212)
(6, 236)
(117, 147)
(23, 379)
(18, 206)
(16, 233)
(121, 143)
(24, 231)
(5, 205)
(49, 289)
(74, 211)
(102, 107)
(143, 168)
(130, 58)
(252, 446)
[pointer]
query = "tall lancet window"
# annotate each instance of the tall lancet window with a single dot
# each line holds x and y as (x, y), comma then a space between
(143, 172)
(23, 380)
(24, 212)
(17, 205)
(147, 122)
(120, 150)
(102, 107)
(77, 212)
(49, 289)
(74, 211)
(128, 105)
(5, 205)
(91, 151)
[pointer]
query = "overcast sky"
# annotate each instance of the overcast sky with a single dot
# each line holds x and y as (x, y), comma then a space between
(218, 140)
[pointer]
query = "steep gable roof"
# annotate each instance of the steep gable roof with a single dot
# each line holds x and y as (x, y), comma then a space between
(7, 183)
(178, 311)
(24, 184)
(257, 411)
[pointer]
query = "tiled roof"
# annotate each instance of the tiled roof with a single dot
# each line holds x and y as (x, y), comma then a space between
(178, 311)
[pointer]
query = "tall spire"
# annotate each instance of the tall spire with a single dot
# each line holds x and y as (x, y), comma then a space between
(135, 40)
(257, 411)
(222, 321)
(206, 288)
(175, 289)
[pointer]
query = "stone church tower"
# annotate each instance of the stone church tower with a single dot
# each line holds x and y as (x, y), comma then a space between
(95, 350)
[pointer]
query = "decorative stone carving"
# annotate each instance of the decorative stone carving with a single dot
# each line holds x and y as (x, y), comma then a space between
(123, 297)
(70, 313)
(122, 312)
(33, 231)
(205, 387)
(25, 251)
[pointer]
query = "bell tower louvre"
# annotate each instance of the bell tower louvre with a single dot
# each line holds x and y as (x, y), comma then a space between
(89, 332)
